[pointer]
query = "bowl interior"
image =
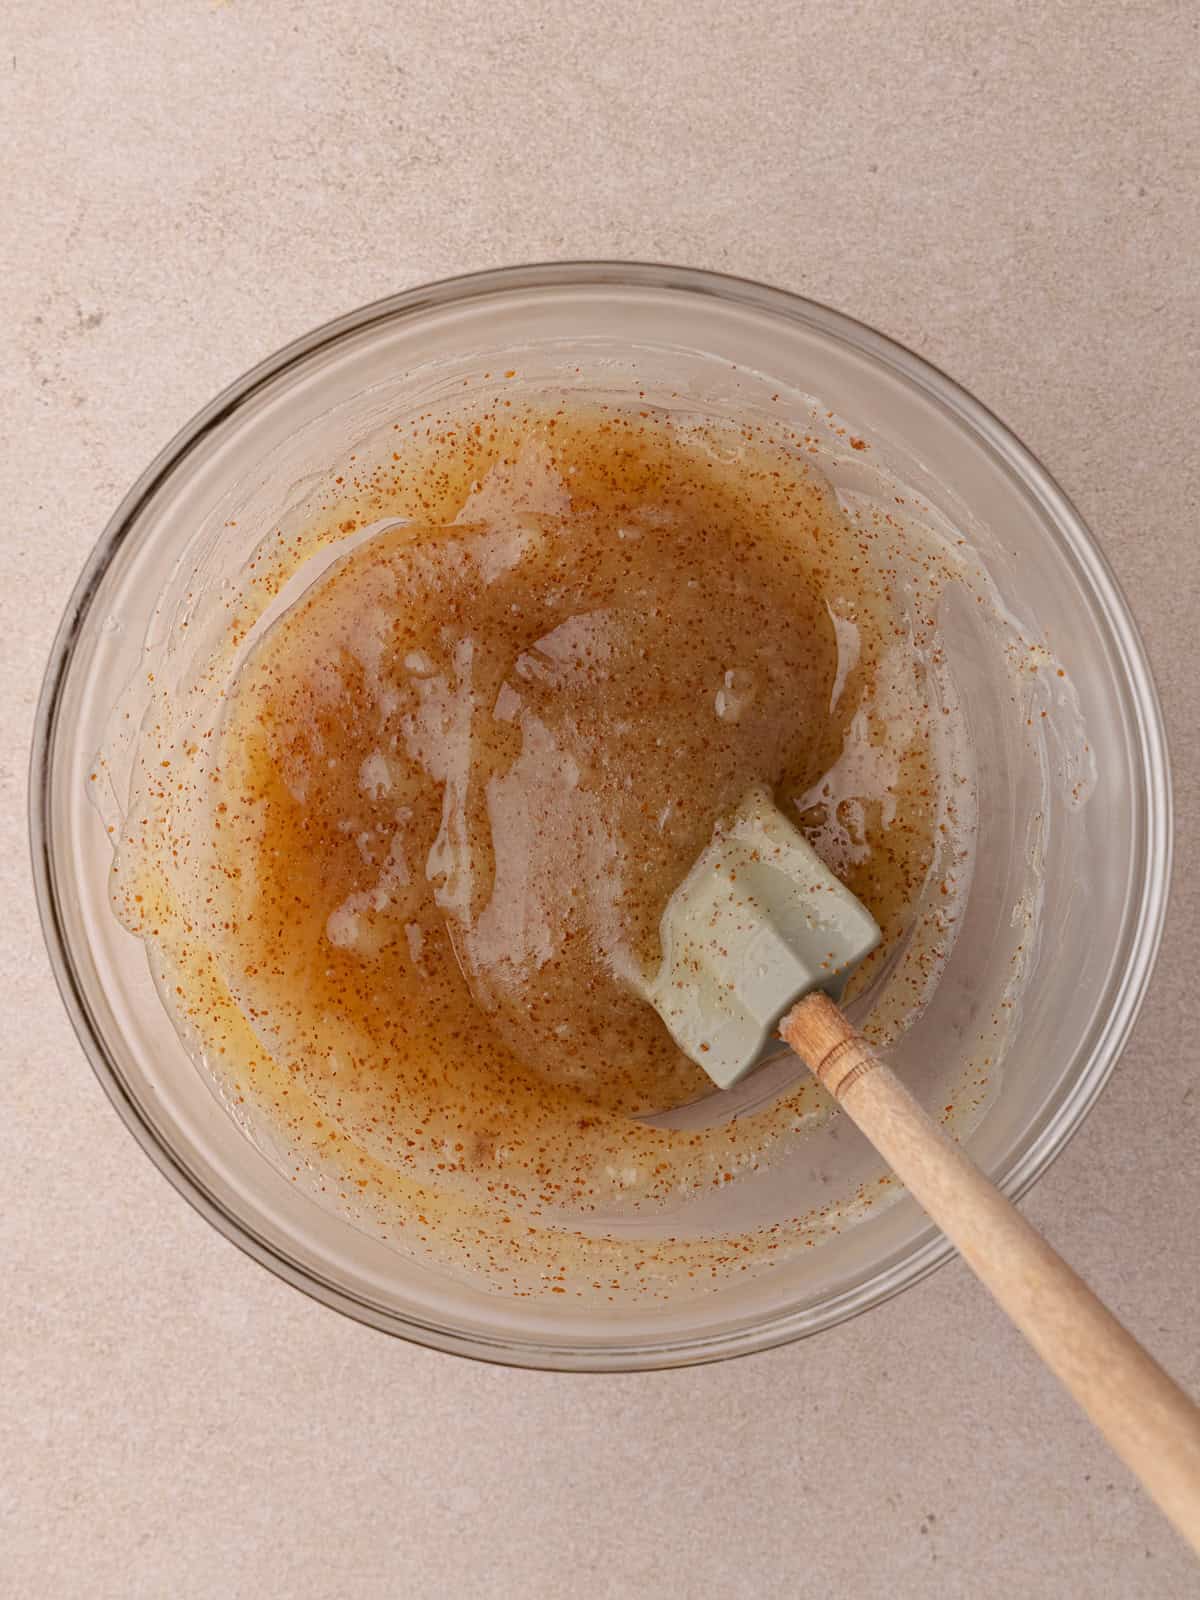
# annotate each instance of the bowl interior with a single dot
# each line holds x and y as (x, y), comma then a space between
(1073, 825)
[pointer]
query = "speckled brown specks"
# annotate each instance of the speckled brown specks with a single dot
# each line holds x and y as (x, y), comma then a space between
(457, 782)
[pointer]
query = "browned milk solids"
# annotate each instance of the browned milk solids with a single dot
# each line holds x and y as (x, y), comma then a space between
(456, 782)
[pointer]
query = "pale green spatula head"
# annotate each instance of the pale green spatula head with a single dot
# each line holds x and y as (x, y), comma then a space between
(757, 923)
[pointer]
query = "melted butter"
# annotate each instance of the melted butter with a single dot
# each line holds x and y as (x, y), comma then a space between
(452, 788)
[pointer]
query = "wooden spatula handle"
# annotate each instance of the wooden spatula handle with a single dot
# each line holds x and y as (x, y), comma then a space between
(1145, 1416)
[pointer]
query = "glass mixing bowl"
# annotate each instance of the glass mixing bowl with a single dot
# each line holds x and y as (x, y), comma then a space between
(715, 344)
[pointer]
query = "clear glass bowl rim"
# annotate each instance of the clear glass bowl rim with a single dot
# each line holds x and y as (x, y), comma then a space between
(1143, 935)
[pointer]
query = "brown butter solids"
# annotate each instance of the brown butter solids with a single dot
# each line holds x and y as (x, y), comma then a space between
(477, 759)
(459, 779)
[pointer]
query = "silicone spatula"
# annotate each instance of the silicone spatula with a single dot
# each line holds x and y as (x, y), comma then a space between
(759, 940)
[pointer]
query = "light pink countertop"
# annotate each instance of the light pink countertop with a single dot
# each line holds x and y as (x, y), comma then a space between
(1014, 191)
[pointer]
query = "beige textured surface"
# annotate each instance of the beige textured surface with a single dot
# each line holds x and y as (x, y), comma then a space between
(1012, 189)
